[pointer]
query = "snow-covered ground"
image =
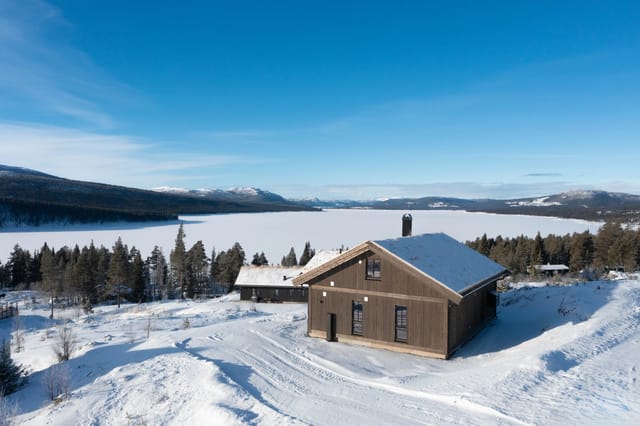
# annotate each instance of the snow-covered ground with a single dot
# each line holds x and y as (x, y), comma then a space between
(276, 233)
(556, 355)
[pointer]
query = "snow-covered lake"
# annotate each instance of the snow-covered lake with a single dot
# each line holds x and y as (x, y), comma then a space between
(276, 233)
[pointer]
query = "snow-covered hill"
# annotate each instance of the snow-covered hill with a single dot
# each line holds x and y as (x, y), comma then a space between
(555, 355)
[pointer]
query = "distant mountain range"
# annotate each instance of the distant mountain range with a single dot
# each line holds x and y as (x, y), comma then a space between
(589, 205)
(29, 197)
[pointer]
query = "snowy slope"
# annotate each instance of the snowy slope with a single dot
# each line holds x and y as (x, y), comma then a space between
(555, 355)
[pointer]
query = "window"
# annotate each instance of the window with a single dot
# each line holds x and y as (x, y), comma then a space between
(401, 324)
(373, 269)
(357, 316)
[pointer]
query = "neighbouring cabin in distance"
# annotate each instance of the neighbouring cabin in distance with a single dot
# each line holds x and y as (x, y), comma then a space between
(425, 295)
(549, 270)
(270, 284)
(275, 283)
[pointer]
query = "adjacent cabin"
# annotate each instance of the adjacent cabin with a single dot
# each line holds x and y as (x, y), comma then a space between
(550, 270)
(426, 294)
(275, 283)
(270, 284)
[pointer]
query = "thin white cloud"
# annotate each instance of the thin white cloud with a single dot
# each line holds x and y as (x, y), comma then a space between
(41, 69)
(97, 157)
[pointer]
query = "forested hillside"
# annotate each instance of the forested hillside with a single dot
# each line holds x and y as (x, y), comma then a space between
(33, 198)
(613, 247)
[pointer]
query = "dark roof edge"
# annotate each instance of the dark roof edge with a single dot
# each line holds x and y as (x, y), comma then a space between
(474, 287)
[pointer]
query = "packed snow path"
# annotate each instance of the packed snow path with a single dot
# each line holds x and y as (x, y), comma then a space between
(555, 355)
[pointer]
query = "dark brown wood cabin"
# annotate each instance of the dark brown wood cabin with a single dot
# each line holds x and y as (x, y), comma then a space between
(425, 295)
(270, 284)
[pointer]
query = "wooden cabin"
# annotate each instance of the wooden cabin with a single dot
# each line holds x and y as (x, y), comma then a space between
(275, 283)
(425, 295)
(270, 284)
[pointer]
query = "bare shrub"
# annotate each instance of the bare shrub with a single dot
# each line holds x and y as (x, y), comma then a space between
(148, 326)
(65, 343)
(186, 323)
(8, 411)
(57, 381)
(18, 334)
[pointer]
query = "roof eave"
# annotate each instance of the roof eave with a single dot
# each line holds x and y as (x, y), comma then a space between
(473, 287)
(327, 266)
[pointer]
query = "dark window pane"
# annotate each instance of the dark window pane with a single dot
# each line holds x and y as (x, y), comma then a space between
(402, 322)
(357, 318)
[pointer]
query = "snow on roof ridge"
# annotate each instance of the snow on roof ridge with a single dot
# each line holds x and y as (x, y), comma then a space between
(444, 259)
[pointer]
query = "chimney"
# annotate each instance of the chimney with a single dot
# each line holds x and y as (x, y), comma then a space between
(406, 225)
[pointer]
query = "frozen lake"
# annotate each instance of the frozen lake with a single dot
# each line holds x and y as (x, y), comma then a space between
(276, 233)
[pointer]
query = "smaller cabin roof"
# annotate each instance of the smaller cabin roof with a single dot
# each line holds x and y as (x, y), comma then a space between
(266, 276)
(551, 268)
(279, 276)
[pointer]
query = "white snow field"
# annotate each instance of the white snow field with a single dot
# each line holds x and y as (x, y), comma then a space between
(276, 233)
(556, 355)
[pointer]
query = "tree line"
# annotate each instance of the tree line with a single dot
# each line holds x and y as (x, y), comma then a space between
(91, 274)
(612, 247)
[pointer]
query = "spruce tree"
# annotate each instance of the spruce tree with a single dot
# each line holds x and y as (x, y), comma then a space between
(11, 375)
(118, 272)
(179, 262)
(307, 254)
(259, 259)
(138, 286)
(290, 259)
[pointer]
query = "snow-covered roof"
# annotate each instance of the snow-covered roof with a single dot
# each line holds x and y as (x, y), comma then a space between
(444, 259)
(319, 258)
(549, 267)
(279, 276)
(267, 276)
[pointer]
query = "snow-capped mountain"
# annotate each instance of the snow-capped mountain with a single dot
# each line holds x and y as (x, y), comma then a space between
(231, 194)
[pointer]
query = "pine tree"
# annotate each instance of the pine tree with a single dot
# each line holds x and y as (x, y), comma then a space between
(138, 285)
(50, 274)
(118, 273)
(179, 262)
(259, 259)
(290, 259)
(307, 254)
(197, 268)
(158, 274)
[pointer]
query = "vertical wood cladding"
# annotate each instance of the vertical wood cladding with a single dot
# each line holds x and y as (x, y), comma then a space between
(436, 325)
(467, 318)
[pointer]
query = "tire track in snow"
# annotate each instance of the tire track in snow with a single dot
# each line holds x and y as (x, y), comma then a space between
(453, 401)
(233, 377)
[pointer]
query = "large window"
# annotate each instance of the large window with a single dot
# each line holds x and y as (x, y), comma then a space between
(357, 317)
(373, 269)
(402, 321)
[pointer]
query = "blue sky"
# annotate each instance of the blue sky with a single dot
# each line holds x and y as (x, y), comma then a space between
(328, 99)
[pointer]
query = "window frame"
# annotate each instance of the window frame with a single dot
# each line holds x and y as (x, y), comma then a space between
(357, 318)
(402, 324)
(373, 269)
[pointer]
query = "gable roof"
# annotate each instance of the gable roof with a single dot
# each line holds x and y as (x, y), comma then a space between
(448, 262)
(445, 259)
